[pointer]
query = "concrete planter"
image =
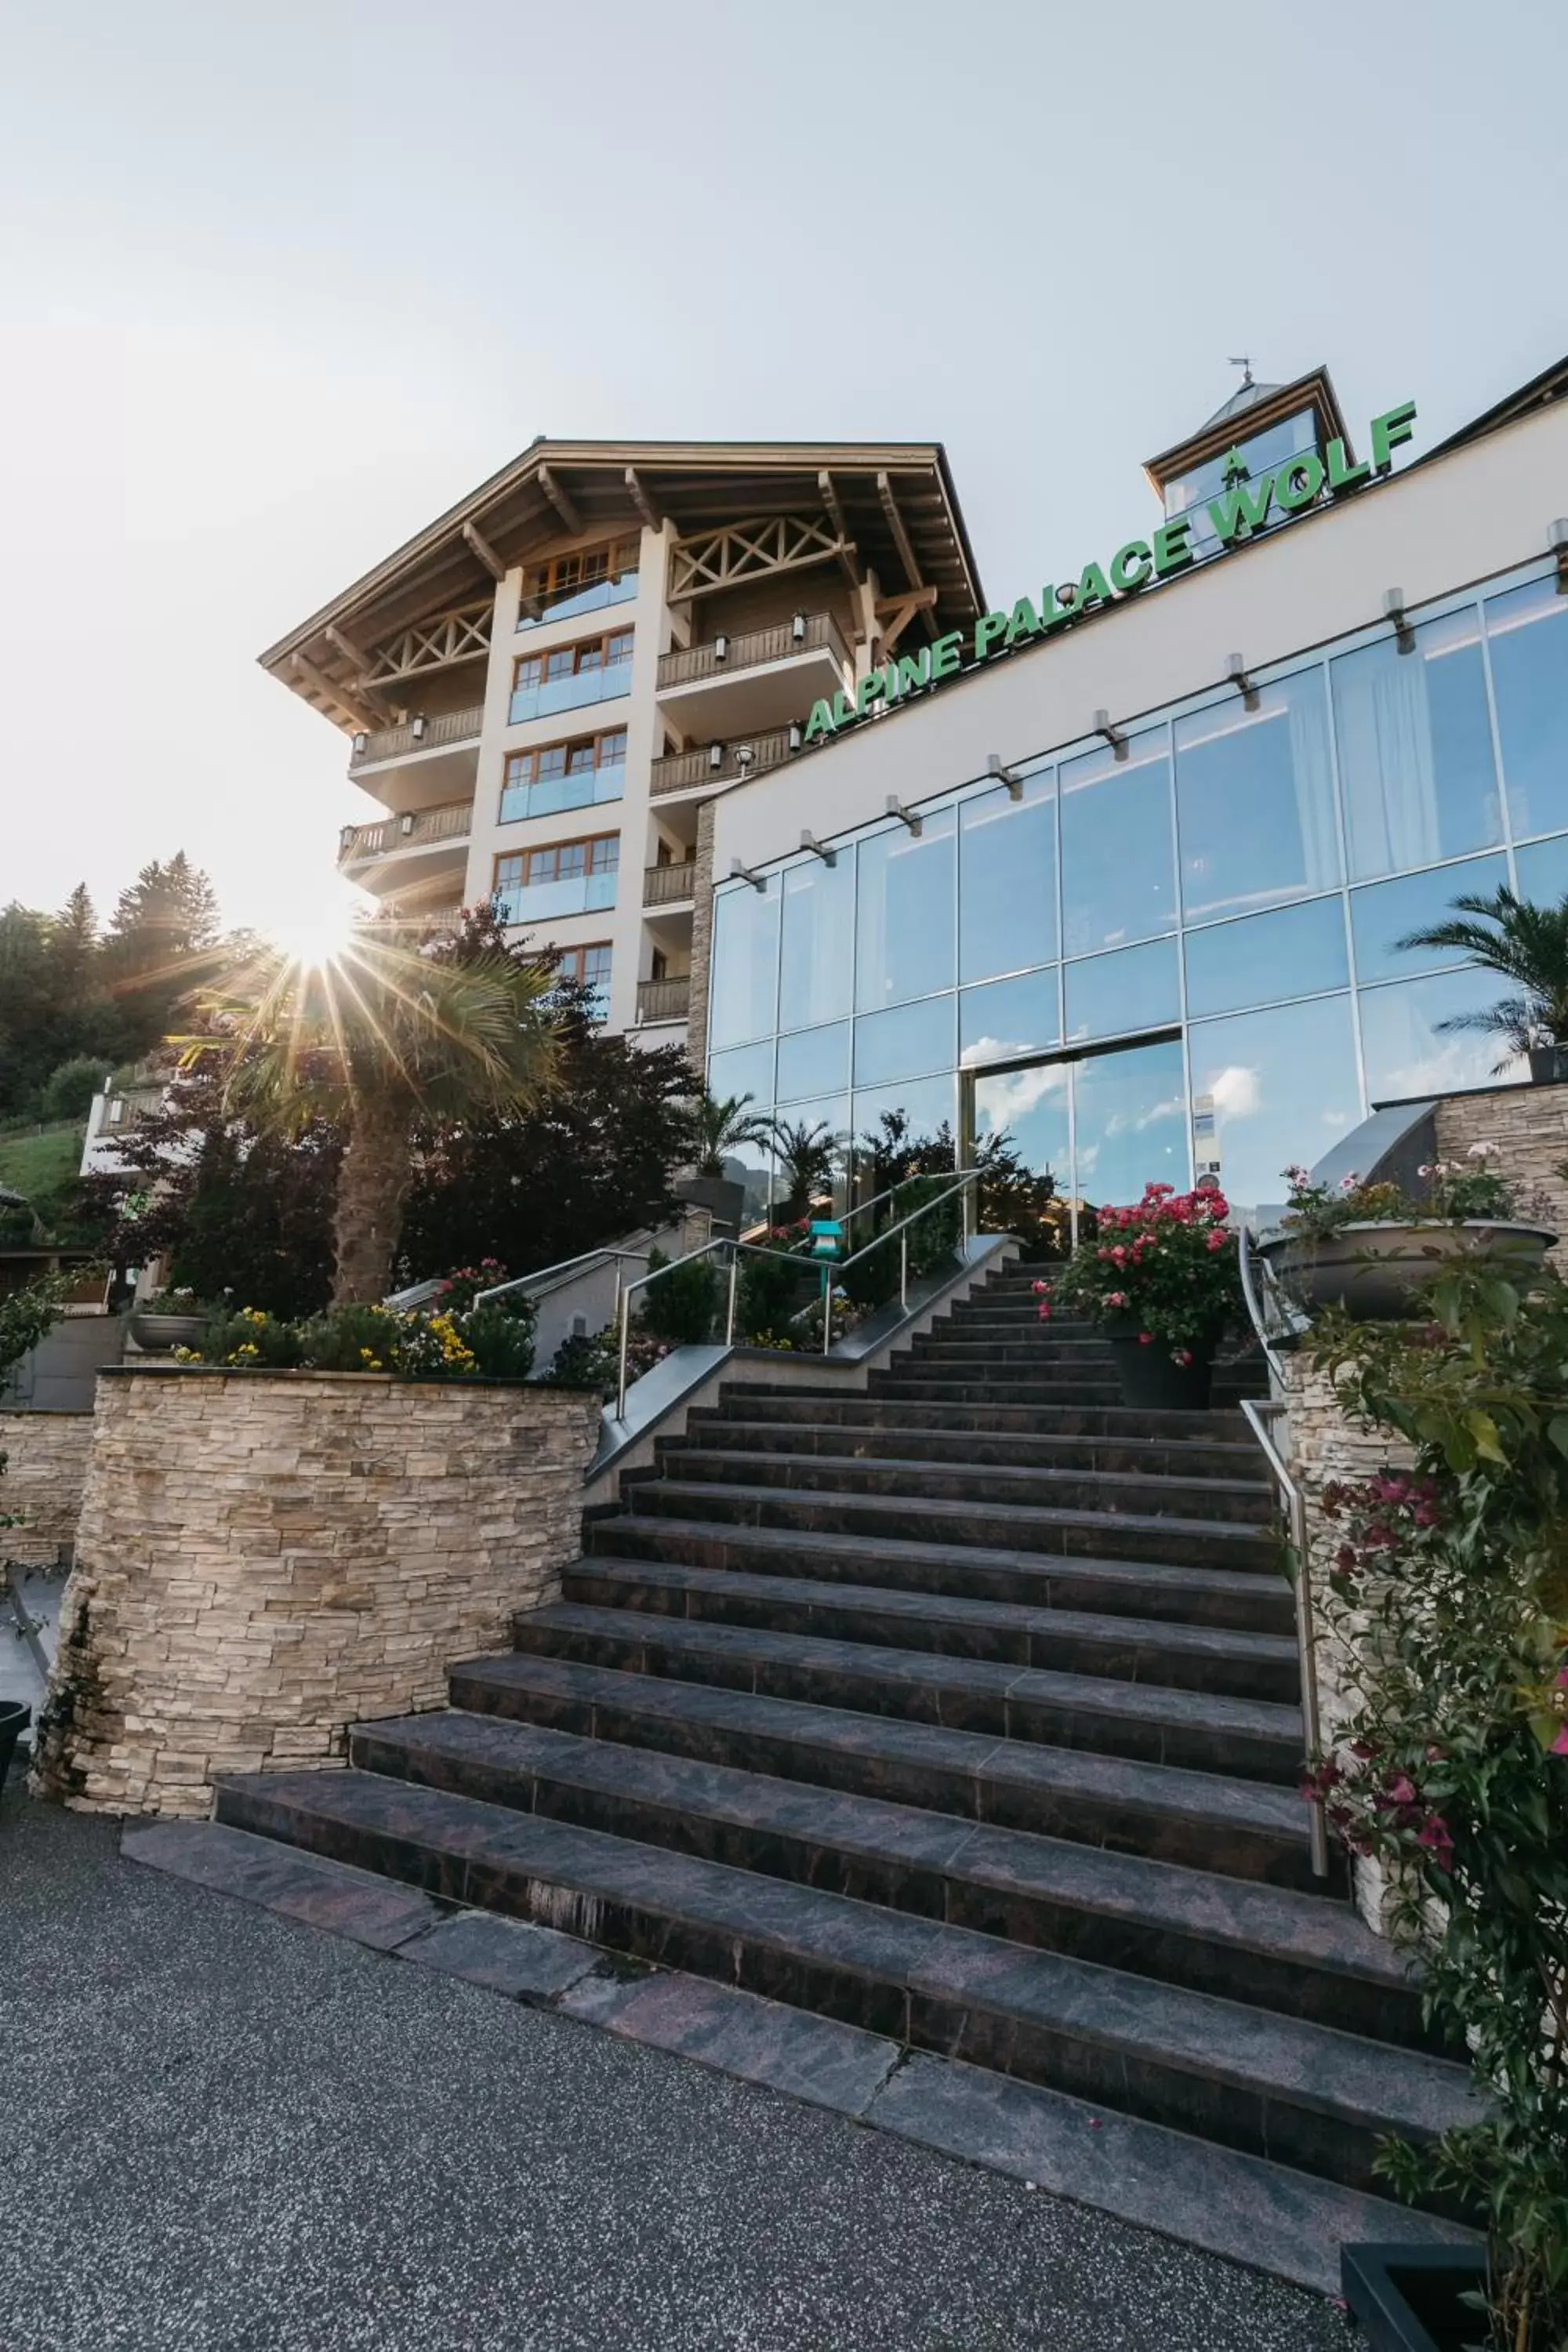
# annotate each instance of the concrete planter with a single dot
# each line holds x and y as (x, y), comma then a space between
(157, 1334)
(724, 1199)
(1370, 1269)
(1409, 2298)
(13, 1722)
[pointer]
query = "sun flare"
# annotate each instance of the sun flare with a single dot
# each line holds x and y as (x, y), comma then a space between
(314, 932)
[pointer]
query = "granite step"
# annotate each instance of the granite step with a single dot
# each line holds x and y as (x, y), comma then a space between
(1232, 1598)
(891, 1439)
(782, 1407)
(1024, 1391)
(1170, 1539)
(1153, 1723)
(1308, 1956)
(1177, 1655)
(1040, 1345)
(1243, 1500)
(1237, 1828)
(1293, 2091)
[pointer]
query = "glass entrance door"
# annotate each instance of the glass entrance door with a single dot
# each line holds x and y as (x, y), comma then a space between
(1104, 1124)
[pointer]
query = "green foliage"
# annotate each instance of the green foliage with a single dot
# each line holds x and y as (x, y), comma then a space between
(245, 1338)
(1457, 1189)
(1524, 944)
(1164, 1269)
(493, 1342)
(36, 1164)
(591, 1359)
(809, 1154)
(26, 1315)
(682, 1306)
(719, 1127)
(769, 1291)
(1449, 1591)
(67, 1092)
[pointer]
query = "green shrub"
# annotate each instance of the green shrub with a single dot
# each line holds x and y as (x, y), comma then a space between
(69, 1090)
(768, 1292)
(355, 1340)
(682, 1307)
(501, 1341)
(246, 1339)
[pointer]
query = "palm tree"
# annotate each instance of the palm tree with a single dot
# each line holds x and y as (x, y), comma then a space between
(807, 1157)
(718, 1126)
(387, 1036)
(1525, 944)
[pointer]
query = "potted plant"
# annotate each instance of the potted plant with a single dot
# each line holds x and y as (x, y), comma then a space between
(175, 1318)
(1528, 946)
(1447, 1600)
(1163, 1281)
(1365, 1247)
(718, 1128)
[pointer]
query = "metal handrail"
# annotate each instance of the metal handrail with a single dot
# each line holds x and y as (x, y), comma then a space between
(1254, 1307)
(565, 1266)
(1306, 1638)
(969, 1176)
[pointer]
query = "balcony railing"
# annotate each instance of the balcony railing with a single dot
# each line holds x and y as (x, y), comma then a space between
(419, 734)
(572, 692)
(550, 795)
(574, 894)
(807, 633)
(664, 1000)
(684, 771)
(565, 603)
(669, 885)
(419, 829)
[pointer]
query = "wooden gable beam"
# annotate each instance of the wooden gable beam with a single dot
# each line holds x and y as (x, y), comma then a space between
(825, 483)
(894, 614)
(365, 710)
(482, 547)
(560, 500)
(347, 647)
(641, 500)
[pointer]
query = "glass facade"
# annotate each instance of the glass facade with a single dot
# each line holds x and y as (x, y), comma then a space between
(1201, 922)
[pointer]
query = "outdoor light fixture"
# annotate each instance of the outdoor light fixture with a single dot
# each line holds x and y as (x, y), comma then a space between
(1113, 735)
(808, 840)
(1236, 671)
(1393, 610)
(738, 873)
(905, 817)
(797, 628)
(744, 756)
(1004, 775)
(406, 825)
(417, 729)
(359, 743)
(715, 756)
(794, 734)
(720, 647)
(1557, 541)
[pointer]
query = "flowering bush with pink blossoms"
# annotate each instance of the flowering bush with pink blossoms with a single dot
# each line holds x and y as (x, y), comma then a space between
(1163, 1271)
(1448, 1591)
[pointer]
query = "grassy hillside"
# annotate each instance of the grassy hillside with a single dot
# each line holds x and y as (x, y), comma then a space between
(32, 1163)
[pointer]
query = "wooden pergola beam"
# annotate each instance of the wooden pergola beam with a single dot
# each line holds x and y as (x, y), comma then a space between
(830, 500)
(358, 707)
(902, 540)
(560, 499)
(894, 614)
(347, 647)
(480, 546)
(641, 500)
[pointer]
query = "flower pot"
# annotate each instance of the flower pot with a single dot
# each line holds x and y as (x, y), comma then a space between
(1409, 2298)
(1548, 1066)
(1153, 1383)
(1370, 1269)
(13, 1720)
(157, 1333)
(724, 1199)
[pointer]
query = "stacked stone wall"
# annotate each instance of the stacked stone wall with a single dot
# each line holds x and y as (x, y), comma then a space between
(263, 1559)
(41, 1487)
(1527, 1129)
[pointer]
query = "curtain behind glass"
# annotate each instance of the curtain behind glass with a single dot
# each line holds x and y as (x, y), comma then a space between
(1385, 760)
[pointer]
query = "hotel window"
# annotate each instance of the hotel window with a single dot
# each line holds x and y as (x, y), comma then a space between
(1007, 880)
(1526, 634)
(564, 776)
(1119, 880)
(744, 991)
(1255, 800)
(584, 582)
(565, 878)
(590, 968)
(1416, 748)
(595, 670)
(905, 916)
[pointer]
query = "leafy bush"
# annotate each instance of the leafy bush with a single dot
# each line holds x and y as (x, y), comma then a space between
(683, 1305)
(768, 1292)
(245, 1339)
(591, 1359)
(26, 1315)
(486, 1342)
(69, 1090)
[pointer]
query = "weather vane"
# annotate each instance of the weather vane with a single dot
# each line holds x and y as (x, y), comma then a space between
(1244, 364)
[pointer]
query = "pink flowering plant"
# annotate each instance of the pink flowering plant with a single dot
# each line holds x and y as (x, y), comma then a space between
(1455, 1191)
(1448, 1592)
(1163, 1271)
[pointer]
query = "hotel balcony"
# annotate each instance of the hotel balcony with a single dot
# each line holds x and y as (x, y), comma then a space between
(764, 678)
(444, 746)
(669, 886)
(722, 763)
(663, 1000)
(416, 845)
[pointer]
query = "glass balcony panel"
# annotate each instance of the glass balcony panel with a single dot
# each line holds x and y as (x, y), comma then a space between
(587, 788)
(1411, 903)
(565, 604)
(744, 991)
(570, 693)
(1008, 1018)
(536, 902)
(1527, 631)
(1255, 800)
(814, 1061)
(1007, 880)
(1415, 749)
(1283, 1089)
(1263, 958)
(1407, 1052)
(1118, 878)
(1116, 995)
(817, 953)
(905, 1041)
(904, 912)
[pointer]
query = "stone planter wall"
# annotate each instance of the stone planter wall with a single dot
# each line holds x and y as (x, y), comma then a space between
(1529, 1126)
(46, 1468)
(263, 1559)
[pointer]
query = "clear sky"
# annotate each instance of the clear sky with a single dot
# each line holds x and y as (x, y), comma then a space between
(279, 283)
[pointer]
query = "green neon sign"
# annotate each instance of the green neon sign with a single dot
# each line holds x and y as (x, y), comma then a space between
(1242, 509)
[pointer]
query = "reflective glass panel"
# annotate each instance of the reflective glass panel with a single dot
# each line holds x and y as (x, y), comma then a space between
(1412, 903)
(1407, 1053)
(1295, 951)
(817, 956)
(824, 1117)
(1255, 800)
(902, 1043)
(1117, 872)
(1528, 633)
(1108, 996)
(745, 962)
(904, 912)
(1544, 870)
(1132, 1123)
(1030, 1107)
(1007, 880)
(1263, 454)
(1009, 1018)
(814, 1061)
(744, 1070)
(1415, 749)
(928, 1104)
(1282, 1087)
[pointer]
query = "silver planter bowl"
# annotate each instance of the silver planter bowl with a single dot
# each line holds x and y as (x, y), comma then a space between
(158, 1333)
(1370, 1269)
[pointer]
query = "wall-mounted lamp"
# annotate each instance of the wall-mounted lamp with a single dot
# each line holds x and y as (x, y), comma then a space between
(359, 743)
(808, 840)
(1113, 735)
(794, 735)
(720, 647)
(1393, 610)
(715, 756)
(995, 766)
(417, 729)
(1557, 541)
(406, 823)
(744, 756)
(738, 873)
(905, 817)
(797, 629)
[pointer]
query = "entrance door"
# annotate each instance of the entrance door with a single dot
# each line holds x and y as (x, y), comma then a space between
(1104, 1124)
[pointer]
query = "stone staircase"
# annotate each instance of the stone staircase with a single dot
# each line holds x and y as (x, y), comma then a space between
(962, 1710)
